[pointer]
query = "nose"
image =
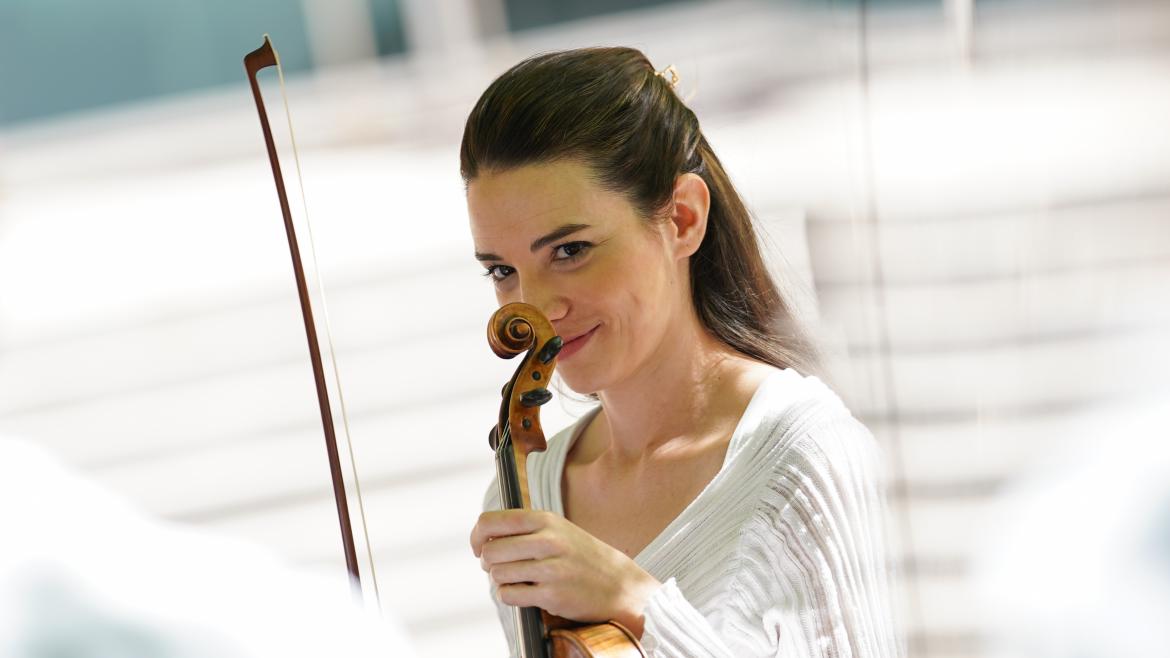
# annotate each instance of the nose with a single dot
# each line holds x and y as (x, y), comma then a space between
(545, 297)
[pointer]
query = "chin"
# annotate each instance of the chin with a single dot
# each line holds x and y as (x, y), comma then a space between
(582, 385)
(583, 378)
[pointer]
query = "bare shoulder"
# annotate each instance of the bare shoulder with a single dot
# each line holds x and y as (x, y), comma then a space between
(755, 372)
(746, 377)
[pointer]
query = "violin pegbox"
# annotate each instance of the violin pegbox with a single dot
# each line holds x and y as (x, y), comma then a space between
(516, 328)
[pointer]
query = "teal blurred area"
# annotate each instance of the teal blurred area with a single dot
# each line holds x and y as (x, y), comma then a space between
(529, 14)
(61, 57)
(68, 56)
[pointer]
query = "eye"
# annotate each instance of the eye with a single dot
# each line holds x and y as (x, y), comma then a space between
(571, 250)
(498, 273)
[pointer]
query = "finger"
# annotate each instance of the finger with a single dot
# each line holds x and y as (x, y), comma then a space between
(521, 595)
(524, 572)
(536, 546)
(505, 523)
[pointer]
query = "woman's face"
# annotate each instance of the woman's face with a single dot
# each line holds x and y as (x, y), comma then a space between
(609, 282)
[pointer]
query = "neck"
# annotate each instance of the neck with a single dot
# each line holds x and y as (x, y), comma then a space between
(695, 387)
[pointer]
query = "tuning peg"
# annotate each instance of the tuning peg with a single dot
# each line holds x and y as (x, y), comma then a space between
(535, 397)
(494, 437)
(550, 349)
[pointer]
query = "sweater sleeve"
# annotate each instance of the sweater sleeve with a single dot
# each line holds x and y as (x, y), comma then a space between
(811, 577)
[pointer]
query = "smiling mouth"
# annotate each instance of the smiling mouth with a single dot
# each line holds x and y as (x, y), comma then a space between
(574, 345)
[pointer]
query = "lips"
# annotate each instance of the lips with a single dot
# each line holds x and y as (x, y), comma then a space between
(574, 345)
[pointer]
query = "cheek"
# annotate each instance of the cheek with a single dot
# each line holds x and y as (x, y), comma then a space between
(640, 293)
(507, 292)
(648, 275)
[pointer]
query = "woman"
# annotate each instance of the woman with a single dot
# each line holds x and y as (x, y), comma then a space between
(716, 502)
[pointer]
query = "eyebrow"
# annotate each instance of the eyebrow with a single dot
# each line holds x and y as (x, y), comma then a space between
(563, 231)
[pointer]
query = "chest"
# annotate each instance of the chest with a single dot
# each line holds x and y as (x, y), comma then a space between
(628, 510)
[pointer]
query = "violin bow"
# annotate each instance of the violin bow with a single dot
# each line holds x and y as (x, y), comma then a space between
(255, 61)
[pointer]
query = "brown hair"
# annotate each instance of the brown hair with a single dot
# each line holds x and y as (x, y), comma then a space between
(609, 109)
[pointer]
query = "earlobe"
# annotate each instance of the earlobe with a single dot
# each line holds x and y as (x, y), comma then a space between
(691, 204)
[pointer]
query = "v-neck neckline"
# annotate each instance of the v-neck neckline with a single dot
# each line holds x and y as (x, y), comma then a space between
(733, 446)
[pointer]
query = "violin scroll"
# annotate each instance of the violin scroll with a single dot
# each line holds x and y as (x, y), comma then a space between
(516, 328)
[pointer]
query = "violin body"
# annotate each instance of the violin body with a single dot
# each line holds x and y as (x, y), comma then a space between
(513, 329)
(608, 640)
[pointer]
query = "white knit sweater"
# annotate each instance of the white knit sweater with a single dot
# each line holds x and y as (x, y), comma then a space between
(782, 554)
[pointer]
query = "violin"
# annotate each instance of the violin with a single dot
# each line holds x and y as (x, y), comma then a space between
(516, 328)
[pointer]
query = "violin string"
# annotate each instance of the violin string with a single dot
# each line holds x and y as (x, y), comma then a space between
(504, 443)
(505, 438)
(329, 341)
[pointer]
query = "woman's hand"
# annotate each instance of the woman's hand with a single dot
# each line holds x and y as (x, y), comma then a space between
(541, 559)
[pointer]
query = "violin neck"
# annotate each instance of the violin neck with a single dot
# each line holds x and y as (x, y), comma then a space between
(530, 630)
(511, 495)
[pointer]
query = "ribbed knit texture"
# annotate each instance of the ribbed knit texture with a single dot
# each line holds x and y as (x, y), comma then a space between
(782, 554)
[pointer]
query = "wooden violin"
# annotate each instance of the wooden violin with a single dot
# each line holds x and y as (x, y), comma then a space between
(516, 328)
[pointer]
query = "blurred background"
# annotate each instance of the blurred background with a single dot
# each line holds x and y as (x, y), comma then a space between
(969, 201)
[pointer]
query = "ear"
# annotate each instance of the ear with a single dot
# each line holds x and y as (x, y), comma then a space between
(690, 204)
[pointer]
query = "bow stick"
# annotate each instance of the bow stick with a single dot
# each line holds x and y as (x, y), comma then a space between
(261, 58)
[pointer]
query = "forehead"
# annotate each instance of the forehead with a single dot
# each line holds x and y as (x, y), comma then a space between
(527, 201)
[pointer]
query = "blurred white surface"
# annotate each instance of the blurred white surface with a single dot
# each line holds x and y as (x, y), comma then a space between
(83, 574)
(1081, 566)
